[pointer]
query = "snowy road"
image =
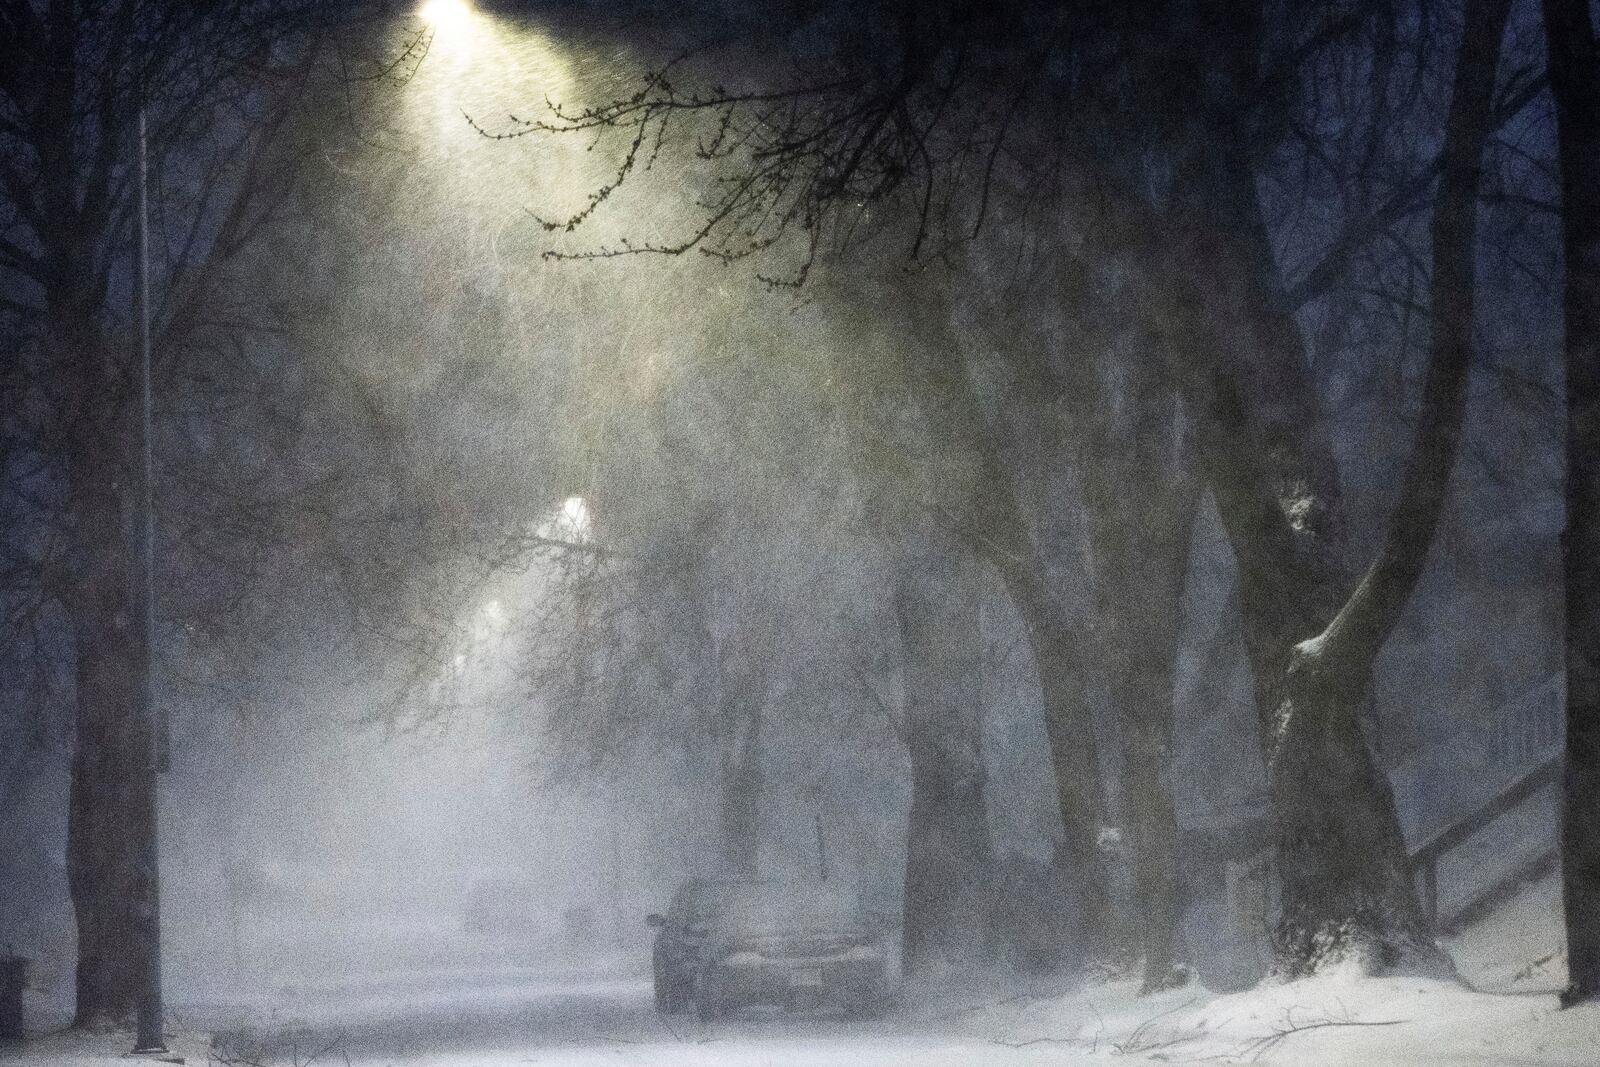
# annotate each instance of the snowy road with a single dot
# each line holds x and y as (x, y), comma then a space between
(614, 1022)
(1415, 1022)
(1392, 1022)
(1506, 1017)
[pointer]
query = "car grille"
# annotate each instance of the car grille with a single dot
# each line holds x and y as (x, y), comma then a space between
(804, 947)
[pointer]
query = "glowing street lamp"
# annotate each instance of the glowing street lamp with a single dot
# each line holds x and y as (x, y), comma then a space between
(446, 15)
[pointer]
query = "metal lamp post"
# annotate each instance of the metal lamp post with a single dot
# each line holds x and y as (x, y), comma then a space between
(150, 1039)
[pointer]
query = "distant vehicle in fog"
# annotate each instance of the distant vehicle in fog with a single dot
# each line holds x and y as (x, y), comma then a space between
(800, 946)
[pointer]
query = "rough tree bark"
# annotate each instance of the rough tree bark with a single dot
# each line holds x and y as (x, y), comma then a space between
(1248, 383)
(991, 519)
(1057, 649)
(999, 532)
(1346, 890)
(950, 862)
(111, 801)
(1139, 539)
(67, 78)
(742, 779)
(728, 686)
(1574, 66)
(111, 798)
(1346, 887)
(1278, 497)
(1111, 413)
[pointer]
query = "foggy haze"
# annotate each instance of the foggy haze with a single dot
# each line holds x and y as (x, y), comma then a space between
(631, 454)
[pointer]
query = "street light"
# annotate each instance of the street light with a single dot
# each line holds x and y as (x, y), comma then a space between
(446, 15)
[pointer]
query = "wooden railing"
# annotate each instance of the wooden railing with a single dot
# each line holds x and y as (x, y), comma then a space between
(1246, 849)
(1240, 859)
(1426, 856)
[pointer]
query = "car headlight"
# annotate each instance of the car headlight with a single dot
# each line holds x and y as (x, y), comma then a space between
(743, 959)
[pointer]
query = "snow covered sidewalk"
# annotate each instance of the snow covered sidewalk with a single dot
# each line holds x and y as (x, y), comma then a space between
(1333, 1021)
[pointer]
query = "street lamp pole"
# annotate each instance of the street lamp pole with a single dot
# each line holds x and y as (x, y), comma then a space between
(150, 1038)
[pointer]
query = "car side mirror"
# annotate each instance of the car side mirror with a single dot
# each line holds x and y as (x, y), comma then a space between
(655, 920)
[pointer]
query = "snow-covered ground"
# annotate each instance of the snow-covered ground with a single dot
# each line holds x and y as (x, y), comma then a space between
(1504, 1013)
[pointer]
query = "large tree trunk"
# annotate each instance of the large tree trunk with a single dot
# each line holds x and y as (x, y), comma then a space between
(1141, 565)
(1139, 539)
(111, 800)
(1346, 886)
(989, 516)
(111, 807)
(950, 862)
(741, 798)
(1346, 889)
(1574, 64)
(1057, 649)
(741, 716)
(1289, 577)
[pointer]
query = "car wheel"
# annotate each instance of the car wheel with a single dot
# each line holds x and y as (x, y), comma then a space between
(868, 1001)
(710, 1003)
(868, 1005)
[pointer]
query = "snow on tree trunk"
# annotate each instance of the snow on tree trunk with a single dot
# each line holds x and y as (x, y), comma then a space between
(1346, 885)
(1346, 889)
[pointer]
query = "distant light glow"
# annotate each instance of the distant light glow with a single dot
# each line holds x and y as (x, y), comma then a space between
(576, 513)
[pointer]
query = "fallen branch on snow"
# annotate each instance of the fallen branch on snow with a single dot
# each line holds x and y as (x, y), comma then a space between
(1253, 1050)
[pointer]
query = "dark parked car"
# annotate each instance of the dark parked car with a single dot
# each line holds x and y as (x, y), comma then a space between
(800, 946)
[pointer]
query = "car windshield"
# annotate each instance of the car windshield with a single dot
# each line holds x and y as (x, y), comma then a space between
(785, 908)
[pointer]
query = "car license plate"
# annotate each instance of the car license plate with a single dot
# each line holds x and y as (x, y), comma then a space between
(803, 978)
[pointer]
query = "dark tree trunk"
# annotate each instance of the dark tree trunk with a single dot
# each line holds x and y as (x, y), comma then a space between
(1139, 541)
(743, 780)
(950, 861)
(989, 516)
(1057, 649)
(111, 800)
(1288, 575)
(1346, 887)
(1261, 432)
(1140, 639)
(1574, 64)
(1154, 822)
